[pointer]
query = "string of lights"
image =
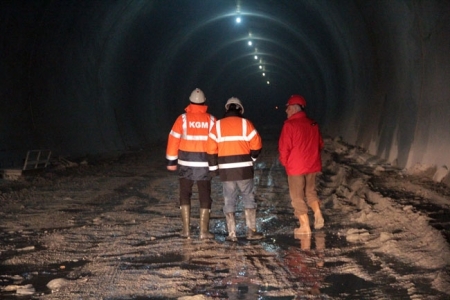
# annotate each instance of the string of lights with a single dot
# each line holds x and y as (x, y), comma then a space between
(250, 42)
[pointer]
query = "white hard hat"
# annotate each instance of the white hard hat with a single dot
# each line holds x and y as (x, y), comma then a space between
(234, 100)
(197, 96)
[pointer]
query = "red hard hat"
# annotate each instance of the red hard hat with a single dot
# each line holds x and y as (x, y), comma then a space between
(296, 99)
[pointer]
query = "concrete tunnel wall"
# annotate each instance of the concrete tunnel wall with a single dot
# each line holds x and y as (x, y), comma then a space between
(92, 77)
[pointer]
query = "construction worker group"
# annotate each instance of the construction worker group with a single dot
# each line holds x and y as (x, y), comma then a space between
(200, 146)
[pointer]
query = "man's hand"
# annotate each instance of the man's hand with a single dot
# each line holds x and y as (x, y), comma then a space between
(172, 168)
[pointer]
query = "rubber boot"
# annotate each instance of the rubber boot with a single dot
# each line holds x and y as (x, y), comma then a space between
(304, 225)
(204, 224)
(231, 226)
(318, 218)
(250, 221)
(186, 219)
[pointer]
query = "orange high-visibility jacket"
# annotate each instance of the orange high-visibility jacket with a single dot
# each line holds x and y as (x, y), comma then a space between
(187, 140)
(233, 145)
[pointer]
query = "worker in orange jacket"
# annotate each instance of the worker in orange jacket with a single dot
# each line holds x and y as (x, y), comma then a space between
(233, 145)
(186, 151)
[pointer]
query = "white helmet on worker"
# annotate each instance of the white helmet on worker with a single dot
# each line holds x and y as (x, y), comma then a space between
(197, 96)
(236, 101)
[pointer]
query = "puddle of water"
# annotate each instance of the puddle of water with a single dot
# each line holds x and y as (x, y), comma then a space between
(239, 291)
(38, 277)
(348, 286)
(362, 259)
(152, 262)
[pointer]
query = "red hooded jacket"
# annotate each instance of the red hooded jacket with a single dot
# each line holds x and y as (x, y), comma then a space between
(300, 144)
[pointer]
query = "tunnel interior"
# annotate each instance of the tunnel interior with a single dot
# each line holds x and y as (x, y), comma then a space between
(92, 77)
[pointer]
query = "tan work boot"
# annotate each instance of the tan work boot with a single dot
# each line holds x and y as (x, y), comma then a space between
(304, 225)
(204, 224)
(186, 220)
(231, 226)
(318, 218)
(250, 221)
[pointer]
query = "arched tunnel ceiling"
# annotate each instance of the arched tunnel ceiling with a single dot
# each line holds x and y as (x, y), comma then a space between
(97, 76)
(291, 41)
(199, 44)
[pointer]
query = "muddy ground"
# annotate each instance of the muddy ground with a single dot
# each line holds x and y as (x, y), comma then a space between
(108, 229)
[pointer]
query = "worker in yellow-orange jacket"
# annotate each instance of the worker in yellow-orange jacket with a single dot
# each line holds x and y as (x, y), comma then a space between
(186, 151)
(233, 145)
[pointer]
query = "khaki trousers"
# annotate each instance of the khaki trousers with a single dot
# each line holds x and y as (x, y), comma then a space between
(302, 190)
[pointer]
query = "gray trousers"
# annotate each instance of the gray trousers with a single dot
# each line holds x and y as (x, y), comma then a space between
(231, 191)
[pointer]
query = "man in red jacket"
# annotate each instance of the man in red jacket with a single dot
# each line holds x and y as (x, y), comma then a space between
(299, 146)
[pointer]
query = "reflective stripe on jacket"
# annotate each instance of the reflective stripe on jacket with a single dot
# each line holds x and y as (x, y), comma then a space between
(233, 145)
(187, 142)
(300, 144)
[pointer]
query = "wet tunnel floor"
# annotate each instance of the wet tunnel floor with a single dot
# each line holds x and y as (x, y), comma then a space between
(310, 264)
(110, 231)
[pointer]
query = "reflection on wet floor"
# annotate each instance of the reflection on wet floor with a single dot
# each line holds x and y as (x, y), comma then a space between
(36, 277)
(310, 265)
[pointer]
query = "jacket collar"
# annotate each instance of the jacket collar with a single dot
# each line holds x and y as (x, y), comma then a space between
(297, 115)
(232, 113)
(193, 108)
